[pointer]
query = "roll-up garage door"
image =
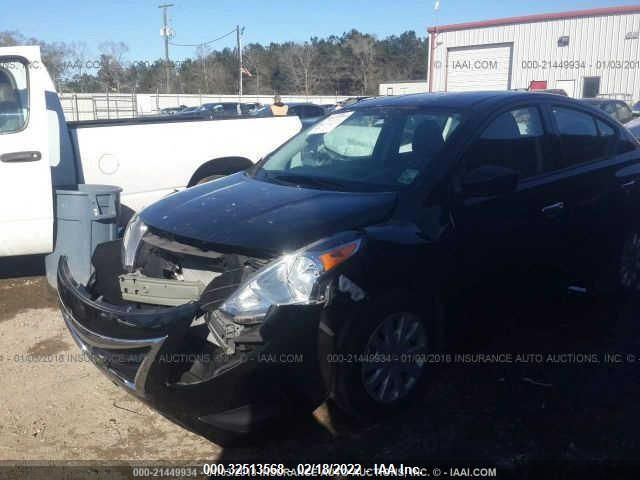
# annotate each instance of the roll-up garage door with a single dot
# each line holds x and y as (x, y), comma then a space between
(479, 68)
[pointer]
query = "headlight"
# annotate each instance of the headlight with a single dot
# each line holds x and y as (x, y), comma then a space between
(290, 280)
(131, 241)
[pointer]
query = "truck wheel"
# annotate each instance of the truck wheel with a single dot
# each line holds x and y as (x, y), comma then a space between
(383, 355)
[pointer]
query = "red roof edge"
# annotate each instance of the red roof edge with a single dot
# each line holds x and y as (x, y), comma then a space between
(537, 18)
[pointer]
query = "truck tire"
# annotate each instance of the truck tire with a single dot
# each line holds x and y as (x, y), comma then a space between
(218, 168)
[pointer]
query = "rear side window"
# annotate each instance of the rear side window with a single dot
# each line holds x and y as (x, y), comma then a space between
(514, 140)
(581, 140)
(14, 99)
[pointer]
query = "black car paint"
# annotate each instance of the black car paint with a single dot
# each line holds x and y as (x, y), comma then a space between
(257, 216)
(426, 240)
(232, 401)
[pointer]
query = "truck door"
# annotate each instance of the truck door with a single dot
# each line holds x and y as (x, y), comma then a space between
(26, 199)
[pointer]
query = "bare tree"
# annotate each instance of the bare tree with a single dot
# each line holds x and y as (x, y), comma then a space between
(80, 55)
(302, 59)
(112, 69)
(9, 39)
(255, 61)
(363, 50)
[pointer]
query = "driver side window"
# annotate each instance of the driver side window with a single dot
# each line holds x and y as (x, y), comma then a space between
(513, 140)
(13, 96)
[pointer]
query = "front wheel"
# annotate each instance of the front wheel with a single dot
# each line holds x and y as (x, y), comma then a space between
(383, 360)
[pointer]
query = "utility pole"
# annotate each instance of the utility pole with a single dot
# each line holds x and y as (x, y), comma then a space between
(204, 66)
(241, 69)
(165, 33)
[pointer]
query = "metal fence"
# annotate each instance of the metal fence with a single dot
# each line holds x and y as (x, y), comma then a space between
(99, 106)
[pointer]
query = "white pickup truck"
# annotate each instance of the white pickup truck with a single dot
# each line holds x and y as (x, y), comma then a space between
(148, 158)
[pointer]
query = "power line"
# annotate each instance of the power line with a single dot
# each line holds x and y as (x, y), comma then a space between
(201, 44)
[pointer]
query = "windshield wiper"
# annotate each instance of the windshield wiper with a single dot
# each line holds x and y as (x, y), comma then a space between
(306, 181)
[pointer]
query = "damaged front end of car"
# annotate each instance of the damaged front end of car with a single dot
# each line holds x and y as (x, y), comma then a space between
(220, 342)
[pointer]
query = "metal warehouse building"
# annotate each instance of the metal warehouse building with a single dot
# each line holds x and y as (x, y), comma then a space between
(587, 53)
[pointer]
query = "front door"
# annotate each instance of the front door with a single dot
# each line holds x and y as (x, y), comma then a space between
(26, 211)
(510, 243)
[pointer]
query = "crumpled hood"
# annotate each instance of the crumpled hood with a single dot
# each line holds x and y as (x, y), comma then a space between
(239, 211)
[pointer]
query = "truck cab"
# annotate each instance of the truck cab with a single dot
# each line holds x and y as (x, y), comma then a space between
(26, 153)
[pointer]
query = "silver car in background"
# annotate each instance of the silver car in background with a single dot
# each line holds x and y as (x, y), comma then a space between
(634, 126)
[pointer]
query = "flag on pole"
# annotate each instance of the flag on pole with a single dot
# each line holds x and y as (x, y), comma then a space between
(246, 72)
(436, 7)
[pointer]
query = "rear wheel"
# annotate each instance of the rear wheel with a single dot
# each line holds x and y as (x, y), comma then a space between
(383, 359)
(629, 266)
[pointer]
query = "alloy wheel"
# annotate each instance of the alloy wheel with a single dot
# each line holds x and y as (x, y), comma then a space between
(630, 263)
(393, 358)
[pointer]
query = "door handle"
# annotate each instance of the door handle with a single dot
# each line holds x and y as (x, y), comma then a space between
(553, 209)
(18, 157)
(628, 185)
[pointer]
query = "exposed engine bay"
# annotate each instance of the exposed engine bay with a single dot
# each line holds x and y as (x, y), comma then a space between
(169, 273)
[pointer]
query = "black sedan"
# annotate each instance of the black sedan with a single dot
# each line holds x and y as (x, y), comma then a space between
(308, 113)
(335, 267)
(220, 109)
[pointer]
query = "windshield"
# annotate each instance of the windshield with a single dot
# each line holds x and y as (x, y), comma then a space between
(364, 149)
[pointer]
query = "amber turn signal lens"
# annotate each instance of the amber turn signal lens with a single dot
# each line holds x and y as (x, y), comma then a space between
(336, 257)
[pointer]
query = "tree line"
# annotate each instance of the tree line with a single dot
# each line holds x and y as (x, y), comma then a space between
(351, 64)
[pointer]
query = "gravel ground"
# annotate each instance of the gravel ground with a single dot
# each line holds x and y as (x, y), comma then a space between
(55, 405)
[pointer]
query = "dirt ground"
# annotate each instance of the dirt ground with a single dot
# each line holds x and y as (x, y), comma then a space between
(55, 405)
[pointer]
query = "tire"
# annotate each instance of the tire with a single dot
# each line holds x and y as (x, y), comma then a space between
(360, 388)
(629, 264)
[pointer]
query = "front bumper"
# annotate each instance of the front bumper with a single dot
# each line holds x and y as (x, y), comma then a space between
(148, 351)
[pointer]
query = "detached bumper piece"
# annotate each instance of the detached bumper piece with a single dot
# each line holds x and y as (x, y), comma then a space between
(122, 341)
(162, 356)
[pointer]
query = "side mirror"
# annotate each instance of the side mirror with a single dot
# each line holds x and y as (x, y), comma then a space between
(489, 180)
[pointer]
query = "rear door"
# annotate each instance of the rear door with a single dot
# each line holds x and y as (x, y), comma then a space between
(600, 179)
(26, 206)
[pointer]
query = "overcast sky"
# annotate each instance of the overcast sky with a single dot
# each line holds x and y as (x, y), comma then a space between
(138, 22)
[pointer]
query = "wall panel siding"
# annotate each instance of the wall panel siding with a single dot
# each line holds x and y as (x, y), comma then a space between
(597, 48)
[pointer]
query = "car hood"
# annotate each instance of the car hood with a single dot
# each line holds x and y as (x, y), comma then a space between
(244, 214)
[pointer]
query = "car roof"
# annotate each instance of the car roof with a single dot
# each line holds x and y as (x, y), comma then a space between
(220, 103)
(298, 104)
(596, 101)
(460, 100)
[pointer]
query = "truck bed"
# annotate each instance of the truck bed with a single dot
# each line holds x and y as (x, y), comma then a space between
(151, 157)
